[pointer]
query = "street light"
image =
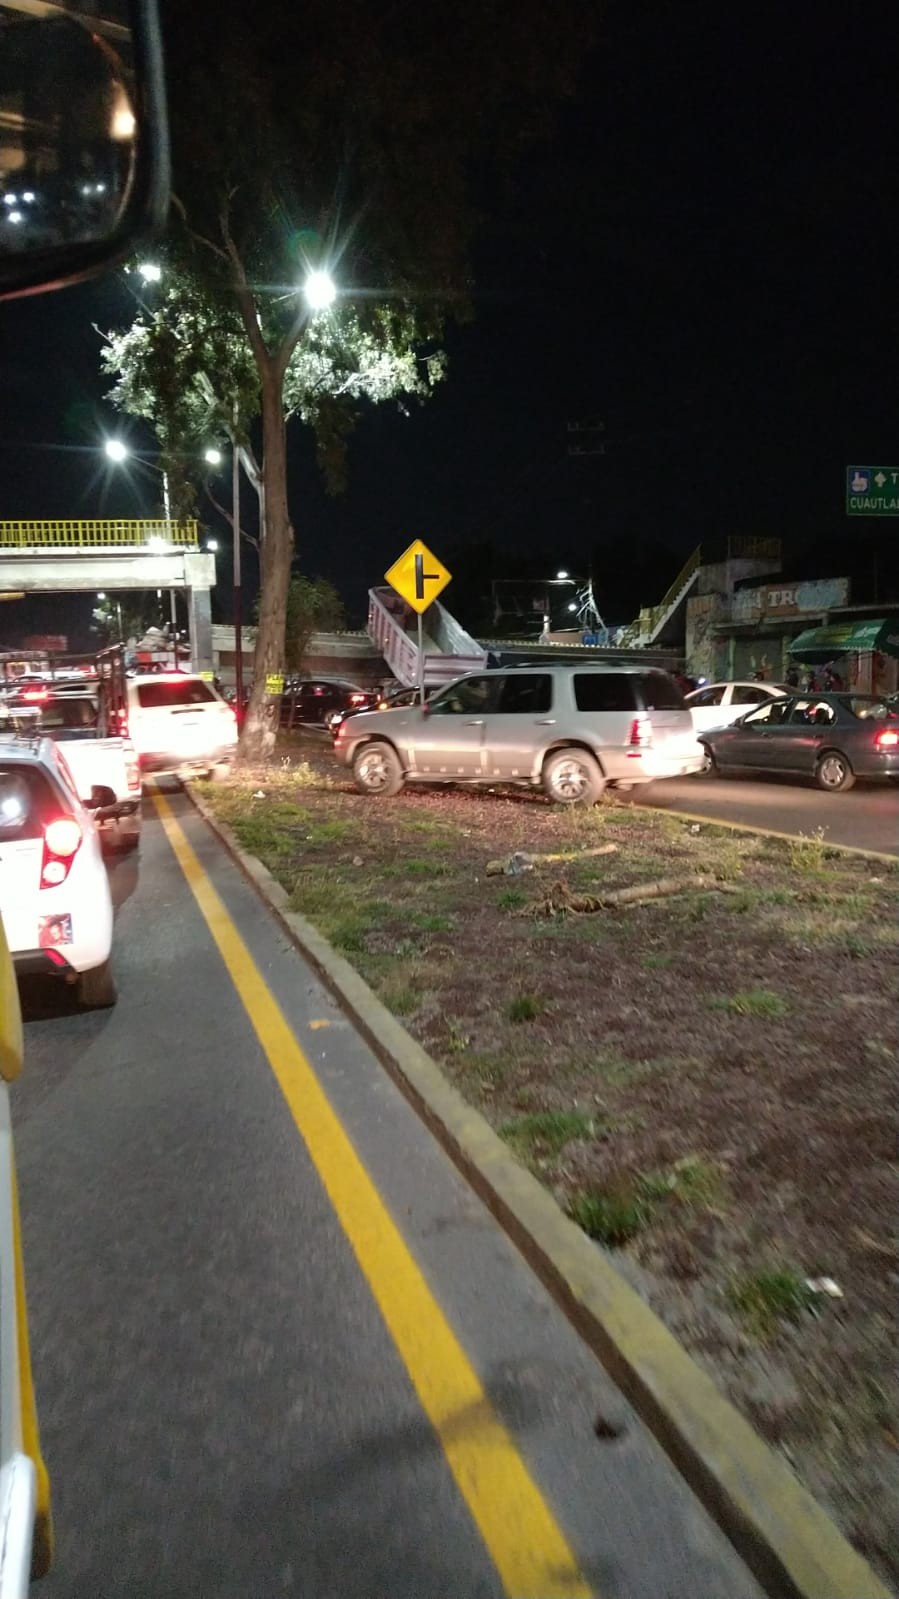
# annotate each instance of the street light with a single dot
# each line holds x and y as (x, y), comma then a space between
(150, 271)
(320, 290)
(213, 456)
(561, 577)
(118, 451)
(212, 546)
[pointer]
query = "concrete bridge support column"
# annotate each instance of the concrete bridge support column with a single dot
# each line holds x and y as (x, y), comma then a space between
(200, 625)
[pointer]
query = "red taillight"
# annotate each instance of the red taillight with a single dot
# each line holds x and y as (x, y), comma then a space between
(641, 732)
(62, 840)
(34, 695)
(122, 719)
(357, 699)
(887, 739)
(132, 773)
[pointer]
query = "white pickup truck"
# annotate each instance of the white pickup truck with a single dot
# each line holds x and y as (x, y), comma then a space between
(73, 721)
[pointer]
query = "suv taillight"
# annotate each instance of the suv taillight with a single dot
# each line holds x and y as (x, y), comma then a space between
(640, 736)
(62, 840)
(132, 772)
(887, 739)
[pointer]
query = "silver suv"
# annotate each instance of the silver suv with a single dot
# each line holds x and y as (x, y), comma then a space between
(568, 729)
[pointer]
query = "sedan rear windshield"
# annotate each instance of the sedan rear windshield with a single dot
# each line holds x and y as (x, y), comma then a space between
(27, 802)
(163, 695)
(869, 708)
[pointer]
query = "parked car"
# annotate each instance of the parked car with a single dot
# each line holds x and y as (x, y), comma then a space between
(719, 704)
(312, 701)
(54, 891)
(73, 718)
(178, 722)
(832, 738)
(569, 729)
(391, 699)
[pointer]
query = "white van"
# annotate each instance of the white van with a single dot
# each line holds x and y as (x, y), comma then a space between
(177, 722)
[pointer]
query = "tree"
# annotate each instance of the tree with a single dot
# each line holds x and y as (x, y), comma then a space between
(329, 135)
(313, 606)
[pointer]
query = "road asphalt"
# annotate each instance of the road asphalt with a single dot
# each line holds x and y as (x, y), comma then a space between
(270, 1363)
(867, 817)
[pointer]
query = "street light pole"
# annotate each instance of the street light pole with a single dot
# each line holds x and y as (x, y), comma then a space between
(173, 609)
(238, 595)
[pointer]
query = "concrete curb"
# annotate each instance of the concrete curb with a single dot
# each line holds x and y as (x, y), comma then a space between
(767, 832)
(783, 1535)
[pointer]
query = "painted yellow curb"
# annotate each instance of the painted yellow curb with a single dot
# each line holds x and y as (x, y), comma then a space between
(765, 832)
(782, 1533)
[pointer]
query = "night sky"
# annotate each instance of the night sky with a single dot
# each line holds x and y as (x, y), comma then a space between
(704, 257)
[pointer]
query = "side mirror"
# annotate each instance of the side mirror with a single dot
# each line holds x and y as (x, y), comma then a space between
(84, 162)
(101, 796)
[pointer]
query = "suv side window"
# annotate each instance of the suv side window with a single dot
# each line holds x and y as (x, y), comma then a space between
(604, 691)
(525, 694)
(660, 692)
(472, 696)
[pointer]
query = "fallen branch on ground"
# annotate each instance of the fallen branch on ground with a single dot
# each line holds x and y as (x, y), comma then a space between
(560, 898)
(511, 865)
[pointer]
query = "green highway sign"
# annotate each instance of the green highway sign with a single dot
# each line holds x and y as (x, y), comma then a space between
(872, 491)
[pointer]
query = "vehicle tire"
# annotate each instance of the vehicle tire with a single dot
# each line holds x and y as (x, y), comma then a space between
(833, 772)
(377, 770)
(709, 766)
(572, 777)
(95, 989)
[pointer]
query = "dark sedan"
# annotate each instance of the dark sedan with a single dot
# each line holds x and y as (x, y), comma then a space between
(310, 701)
(832, 738)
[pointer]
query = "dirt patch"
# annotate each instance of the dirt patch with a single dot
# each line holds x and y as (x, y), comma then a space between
(707, 1081)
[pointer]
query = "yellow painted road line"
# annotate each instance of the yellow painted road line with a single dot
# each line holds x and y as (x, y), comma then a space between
(526, 1544)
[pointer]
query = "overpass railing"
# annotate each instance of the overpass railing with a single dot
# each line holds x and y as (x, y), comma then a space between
(131, 533)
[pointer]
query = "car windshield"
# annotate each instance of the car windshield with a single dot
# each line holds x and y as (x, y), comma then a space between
(166, 693)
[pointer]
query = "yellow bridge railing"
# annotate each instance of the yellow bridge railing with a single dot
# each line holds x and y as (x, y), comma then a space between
(100, 534)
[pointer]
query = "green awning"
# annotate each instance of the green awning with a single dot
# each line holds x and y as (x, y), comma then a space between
(818, 645)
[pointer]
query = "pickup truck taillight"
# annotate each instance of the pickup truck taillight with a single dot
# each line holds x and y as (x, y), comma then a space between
(62, 840)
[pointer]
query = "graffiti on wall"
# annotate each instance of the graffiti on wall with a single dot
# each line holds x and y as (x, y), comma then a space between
(790, 599)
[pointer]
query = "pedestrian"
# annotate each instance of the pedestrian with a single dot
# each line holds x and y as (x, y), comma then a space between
(792, 677)
(833, 682)
(811, 686)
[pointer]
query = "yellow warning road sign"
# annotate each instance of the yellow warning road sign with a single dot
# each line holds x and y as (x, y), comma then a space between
(418, 576)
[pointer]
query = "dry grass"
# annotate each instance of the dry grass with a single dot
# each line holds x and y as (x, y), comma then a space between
(706, 1082)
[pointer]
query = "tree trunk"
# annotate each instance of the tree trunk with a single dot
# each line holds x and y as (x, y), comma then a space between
(275, 557)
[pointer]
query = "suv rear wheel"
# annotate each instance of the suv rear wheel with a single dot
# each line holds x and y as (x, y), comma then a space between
(572, 777)
(376, 770)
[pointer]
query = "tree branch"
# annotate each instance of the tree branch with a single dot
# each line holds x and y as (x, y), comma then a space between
(245, 302)
(228, 516)
(198, 238)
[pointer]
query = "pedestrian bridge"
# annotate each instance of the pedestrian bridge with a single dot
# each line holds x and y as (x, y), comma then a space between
(117, 555)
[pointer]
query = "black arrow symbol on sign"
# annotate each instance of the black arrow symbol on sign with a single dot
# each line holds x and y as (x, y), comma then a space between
(422, 577)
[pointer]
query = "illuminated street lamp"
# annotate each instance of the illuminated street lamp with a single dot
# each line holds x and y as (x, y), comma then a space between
(320, 291)
(150, 271)
(213, 456)
(116, 450)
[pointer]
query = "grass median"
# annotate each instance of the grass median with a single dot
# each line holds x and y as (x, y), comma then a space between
(689, 1036)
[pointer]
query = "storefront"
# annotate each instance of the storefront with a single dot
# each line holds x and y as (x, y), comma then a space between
(865, 653)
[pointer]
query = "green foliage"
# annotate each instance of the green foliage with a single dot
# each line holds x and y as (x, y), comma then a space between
(807, 852)
(547, 1131)
(525, 1007)
(764, 1298)
(612, 1219)
(760, 1002)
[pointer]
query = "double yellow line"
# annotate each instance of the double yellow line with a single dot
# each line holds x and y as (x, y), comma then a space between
(528, 1548)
